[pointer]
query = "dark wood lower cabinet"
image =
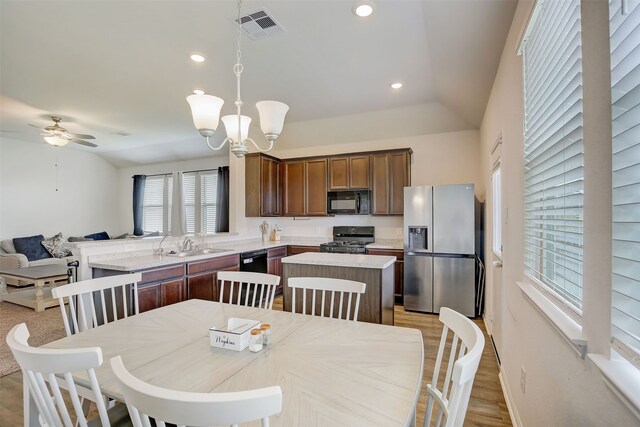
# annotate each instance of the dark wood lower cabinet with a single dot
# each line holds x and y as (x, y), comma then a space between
(202, 286)
(149, 297)
(294, 250)
(398, 284)
(274, 264)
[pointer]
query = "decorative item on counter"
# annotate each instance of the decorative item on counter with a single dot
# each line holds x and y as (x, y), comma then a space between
(266, 334)
(264, 229)
(276, 234)
(255, 340)
(235, 336)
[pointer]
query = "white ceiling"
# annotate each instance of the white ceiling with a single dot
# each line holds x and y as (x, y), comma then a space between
(123, 66)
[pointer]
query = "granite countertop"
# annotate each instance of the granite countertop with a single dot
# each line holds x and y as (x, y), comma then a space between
(341, 260)
(387, 244)
(144, 260)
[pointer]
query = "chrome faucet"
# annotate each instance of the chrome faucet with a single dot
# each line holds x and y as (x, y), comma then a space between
(187, 245)
(160, 250)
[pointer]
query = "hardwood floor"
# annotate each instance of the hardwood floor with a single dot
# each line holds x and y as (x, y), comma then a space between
(486, 407)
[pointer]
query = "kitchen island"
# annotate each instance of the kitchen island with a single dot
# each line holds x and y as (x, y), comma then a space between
(376, 305)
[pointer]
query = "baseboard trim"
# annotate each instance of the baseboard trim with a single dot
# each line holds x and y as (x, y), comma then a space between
(508, 397)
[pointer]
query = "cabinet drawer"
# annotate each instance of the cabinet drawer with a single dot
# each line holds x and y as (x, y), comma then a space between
(160, 274)
(277, 252)
(213, 264)
(294, 250)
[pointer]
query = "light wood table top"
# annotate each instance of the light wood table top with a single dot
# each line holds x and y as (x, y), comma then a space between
(332, 372)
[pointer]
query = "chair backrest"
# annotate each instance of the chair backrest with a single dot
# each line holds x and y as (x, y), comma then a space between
(248, 289)
(112, 296)
(324, 286)
(44, 369)
(467, 345)
(193, 409)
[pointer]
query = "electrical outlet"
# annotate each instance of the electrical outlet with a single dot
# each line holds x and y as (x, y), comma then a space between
(523, 379)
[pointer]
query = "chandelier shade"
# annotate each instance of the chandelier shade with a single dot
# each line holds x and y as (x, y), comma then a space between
(231, 126)
(205, 110)
(272, 114)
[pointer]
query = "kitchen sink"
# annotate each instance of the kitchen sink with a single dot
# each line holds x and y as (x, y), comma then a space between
(197, 252)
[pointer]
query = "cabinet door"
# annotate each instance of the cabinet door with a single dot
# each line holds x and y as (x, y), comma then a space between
(338, 173)
(359, 172)
(294, 250)
(149, 297)
(202, 286)
(398, 179)
(173, 292)
(380, 177)
(316, 187)
(269, 187)
(293, 200)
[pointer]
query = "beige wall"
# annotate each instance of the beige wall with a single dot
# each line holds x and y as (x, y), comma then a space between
(443, 158)
(561, 388)
(76, 198)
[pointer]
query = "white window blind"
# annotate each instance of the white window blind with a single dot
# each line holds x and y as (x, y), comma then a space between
(209, 193)
(625, 96)
(189, 191)
(152, 219)
(200, 192)
(553, 150)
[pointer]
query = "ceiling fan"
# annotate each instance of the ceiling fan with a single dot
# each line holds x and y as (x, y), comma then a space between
(58, 136)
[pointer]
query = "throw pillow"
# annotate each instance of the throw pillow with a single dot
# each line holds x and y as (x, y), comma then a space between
(123, 236)
(79, 239)
(31, 247)
(98, 236)
(54, 246)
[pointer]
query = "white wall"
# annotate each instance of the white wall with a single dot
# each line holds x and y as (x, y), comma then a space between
(125, 182)
(76, 198)
(561, 388)
(443, 158)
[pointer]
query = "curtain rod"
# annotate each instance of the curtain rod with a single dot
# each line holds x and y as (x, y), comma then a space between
(169, 173)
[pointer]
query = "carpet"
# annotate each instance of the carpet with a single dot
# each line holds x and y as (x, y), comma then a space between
(44, 327)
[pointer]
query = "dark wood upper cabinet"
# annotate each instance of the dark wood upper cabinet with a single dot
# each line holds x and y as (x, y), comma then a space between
(390, 174)
(350, 172)
(262, 185)
(316, 187)
(293, 193)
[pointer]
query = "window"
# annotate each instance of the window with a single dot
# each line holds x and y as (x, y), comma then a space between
(553, 150)
(625, 97)
(200, 192)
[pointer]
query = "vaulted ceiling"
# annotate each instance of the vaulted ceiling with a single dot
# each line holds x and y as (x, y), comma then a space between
(110, 67)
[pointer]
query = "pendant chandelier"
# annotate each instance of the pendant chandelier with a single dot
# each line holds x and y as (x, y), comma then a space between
(206, 112)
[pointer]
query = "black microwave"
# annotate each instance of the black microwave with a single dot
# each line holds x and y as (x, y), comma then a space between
(349, 202)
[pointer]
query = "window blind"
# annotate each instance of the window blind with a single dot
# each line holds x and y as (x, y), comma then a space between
(625, 97)
(209, 194)
(553, 150)
(189, 191)
(153, 205)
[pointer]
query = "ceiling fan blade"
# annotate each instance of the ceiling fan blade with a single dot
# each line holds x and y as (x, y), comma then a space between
(80, 136)
(81, 142)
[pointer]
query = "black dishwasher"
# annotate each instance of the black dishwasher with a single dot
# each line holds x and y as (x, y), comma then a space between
(254, 261)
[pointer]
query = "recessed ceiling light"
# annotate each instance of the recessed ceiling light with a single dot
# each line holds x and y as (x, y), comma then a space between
(363, 8)
(196, 57)
(198, 91)
(396, 85)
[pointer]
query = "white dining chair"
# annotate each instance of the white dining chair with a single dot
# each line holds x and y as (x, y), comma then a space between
(332, 289)
(46, 370)
(194, 409)
(467, 345)
(247, 288)
(108, 293)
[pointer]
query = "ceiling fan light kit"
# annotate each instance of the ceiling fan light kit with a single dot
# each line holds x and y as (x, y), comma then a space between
(205, 110)
(58, 136)
(56, 141)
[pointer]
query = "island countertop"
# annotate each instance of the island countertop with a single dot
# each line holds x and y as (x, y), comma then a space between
(341, 260)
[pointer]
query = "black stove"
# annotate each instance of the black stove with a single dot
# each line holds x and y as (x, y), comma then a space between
(349, 240)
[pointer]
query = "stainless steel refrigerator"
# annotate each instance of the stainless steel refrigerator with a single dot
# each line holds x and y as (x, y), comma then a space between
(441, 240)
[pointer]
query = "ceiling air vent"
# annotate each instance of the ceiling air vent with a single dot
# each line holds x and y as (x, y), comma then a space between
(259, 24)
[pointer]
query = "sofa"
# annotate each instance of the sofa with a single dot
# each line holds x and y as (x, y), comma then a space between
(11, 258)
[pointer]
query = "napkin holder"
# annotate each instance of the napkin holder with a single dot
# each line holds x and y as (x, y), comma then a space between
(235, 336)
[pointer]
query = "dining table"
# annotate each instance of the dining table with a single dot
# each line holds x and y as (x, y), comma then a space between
(332, 372)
